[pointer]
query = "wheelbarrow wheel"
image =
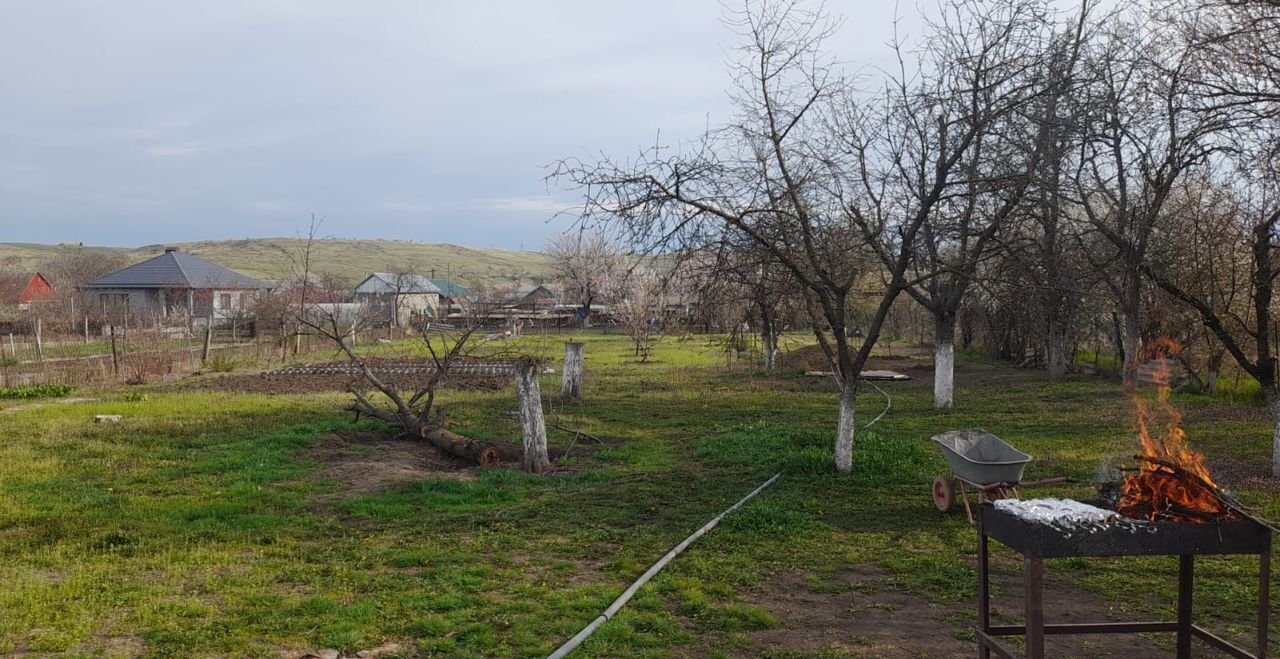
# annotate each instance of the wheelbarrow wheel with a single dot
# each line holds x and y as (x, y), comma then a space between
(944, 493)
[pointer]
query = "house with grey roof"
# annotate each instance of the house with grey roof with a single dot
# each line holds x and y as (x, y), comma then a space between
(532, 297)
(174, 283)
(395, 298)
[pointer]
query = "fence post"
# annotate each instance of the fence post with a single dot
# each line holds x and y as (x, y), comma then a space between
(115, 357)
(208, 338)
(86, 329)
(13, 349)
(40, 339)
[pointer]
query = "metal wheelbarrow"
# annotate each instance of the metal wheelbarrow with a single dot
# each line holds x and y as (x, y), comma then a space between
(984, 462)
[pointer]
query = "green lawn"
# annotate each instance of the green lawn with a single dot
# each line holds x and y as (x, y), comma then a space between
(201, 524)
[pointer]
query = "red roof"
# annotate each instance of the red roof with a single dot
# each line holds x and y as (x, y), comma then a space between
(23, 287)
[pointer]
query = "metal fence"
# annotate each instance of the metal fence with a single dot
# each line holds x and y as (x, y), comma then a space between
(87, 350)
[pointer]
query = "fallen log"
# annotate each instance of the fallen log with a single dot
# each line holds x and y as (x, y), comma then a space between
(481, 453)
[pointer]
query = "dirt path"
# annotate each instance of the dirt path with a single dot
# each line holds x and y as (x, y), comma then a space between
(861, 612)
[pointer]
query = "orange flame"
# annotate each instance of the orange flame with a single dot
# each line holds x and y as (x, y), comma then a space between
(1172, 483)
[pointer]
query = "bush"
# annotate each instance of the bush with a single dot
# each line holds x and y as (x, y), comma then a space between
(37, 391)
(144, 365)
(221, 364)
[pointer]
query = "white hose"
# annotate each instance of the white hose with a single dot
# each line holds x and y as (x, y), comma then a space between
(573, 643)
(888, 403)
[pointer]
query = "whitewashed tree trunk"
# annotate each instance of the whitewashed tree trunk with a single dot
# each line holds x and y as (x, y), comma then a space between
(532, 425)
(1056, 345)
(847, 425)
(769, 337)
(571, 379)
(944, 362)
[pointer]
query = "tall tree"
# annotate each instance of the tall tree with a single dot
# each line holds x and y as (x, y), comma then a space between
(1145, 129)
(1238, 76)
(1007, 151)
(832, 184)
(588, 266)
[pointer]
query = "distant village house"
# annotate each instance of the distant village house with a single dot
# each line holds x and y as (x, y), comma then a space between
(400, 298)
(532, 298)
(173, 283)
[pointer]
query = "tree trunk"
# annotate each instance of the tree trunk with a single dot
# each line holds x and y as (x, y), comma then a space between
(769, 337)
(1056, 349)
(966, 329)
(1132, 338)
(571, 379)
(532, 425)
(1273, 405)
(944, 361)
(846, 427)
(1214, 368)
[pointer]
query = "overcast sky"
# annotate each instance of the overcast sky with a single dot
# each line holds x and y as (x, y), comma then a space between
(137, 122)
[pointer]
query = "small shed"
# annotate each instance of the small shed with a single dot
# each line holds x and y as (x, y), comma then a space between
(20, 289)
(453, 298)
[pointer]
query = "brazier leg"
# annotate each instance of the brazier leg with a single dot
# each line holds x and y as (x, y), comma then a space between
(1264, 600)
(984, 594)
(1186, 579)
(1033, 602)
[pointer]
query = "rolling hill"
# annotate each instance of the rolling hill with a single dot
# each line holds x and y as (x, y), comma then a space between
(272, 259)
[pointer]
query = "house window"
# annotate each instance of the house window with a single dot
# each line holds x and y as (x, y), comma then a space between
(224, 300)
(114, 302)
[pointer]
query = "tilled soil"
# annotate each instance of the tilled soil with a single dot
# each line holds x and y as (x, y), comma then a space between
(268, 383)
(811, 358)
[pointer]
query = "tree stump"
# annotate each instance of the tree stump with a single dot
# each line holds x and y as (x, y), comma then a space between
(571, 379)
(532, 425)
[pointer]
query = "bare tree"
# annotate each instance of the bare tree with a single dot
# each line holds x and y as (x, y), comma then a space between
(1000, 60)
(832, 184)
(1237, 76)
(588, 266)
(1144, 131)
(638, 307)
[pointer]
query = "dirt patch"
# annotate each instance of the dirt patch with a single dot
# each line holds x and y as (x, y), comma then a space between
(864, 613)
(268, 383)
(811, 358)
(365, 462)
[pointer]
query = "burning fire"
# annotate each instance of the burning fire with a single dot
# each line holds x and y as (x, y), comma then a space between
(1172, 482)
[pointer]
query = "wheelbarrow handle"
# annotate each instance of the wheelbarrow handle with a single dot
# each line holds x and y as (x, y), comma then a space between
(987, 487)
(1049, 481)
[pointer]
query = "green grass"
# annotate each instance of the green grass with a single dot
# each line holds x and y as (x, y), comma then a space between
(37, 391)
(199, 525)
